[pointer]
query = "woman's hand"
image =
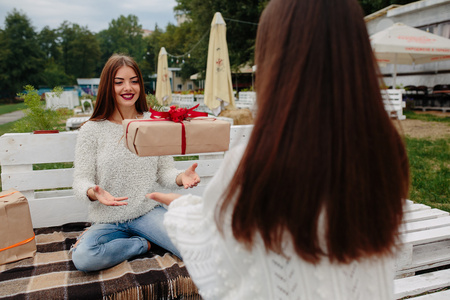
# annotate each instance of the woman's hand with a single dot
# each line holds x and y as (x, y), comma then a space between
(188, 178)
(162, 197)
(97, 193)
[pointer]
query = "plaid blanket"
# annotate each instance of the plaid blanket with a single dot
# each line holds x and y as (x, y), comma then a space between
(52, 275)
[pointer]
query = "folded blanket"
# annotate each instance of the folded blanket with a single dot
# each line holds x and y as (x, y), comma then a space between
(52, 275)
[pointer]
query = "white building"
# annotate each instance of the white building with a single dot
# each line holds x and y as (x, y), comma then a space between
(89, 85)
(429, 15)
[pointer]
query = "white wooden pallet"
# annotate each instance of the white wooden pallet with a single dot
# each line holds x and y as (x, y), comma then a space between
(393, 103)
(425, 249)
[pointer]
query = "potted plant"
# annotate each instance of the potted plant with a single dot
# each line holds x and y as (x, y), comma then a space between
(37, 118)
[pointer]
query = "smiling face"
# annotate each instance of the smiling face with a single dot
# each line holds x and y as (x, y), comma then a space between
(126, 87)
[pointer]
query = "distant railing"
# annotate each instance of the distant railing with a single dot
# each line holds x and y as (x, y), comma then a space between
(245, 100)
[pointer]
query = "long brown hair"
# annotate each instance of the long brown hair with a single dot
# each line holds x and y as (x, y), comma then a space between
(322, 141)
(106, 103)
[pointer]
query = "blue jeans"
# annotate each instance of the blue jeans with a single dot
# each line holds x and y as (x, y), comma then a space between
(106, 245)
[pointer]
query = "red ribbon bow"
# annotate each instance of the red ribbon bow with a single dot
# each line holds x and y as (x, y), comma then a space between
(178, 114)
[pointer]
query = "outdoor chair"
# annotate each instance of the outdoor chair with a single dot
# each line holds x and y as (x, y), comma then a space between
(440, 96)
(421, 95)
(410, 94)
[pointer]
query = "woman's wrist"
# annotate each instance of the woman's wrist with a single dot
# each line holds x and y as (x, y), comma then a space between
(91, 194)
(178, 180)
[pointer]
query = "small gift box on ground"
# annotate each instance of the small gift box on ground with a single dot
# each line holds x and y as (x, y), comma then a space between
(155, 137)
(16, 230)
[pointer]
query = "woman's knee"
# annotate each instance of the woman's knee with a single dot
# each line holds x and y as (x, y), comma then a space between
(86, 259)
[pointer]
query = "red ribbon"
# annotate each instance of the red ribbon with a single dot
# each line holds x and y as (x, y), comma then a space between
(177, 115)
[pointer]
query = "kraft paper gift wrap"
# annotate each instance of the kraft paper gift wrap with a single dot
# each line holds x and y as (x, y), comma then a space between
(160, 137)
(16, 230)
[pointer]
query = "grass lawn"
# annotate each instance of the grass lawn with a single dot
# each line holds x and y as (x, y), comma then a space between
(5, 128)
(7, 108)
(430, 171)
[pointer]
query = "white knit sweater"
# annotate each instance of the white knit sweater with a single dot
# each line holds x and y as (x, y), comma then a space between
(223, 269)
(101, 158)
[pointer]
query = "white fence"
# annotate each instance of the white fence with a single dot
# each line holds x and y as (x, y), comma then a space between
(68, 99)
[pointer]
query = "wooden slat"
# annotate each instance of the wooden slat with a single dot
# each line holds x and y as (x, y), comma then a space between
(424, 214)
(205, 167)
(48, 212)
(240, 134)
(427, 236)
(439, 295)
(412, 207)
(35, 180)
(419, 284)
(28, 148)
(427, 256)
(426, 224)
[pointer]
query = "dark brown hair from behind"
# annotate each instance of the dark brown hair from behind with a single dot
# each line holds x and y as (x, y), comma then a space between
(106, 103)
(322, 141)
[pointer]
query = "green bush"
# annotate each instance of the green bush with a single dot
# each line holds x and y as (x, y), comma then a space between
(37, 117)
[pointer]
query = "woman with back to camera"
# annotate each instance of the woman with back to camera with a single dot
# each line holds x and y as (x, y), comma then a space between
(115, 181)
(311, 208)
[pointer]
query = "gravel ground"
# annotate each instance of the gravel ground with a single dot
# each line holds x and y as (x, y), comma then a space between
(421, 129)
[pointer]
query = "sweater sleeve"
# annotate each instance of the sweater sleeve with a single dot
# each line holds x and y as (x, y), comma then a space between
(85, 161)
(196, 237)
(167, 173)
(191, 226)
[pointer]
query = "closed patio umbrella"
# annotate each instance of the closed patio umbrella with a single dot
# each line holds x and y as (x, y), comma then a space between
(218, 88)
(163, 89)
(402, 44)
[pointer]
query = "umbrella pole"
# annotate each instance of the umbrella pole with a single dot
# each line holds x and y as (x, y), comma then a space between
(395, 72)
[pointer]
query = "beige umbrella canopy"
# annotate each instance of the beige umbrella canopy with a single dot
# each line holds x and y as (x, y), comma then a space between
(218, 88)
(402, 44)
(163, 89)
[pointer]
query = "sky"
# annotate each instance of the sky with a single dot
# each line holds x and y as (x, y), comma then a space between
(95, 14)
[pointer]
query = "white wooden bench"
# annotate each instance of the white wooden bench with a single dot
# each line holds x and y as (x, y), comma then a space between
(393, 103)
(49, 192)
(425, 231)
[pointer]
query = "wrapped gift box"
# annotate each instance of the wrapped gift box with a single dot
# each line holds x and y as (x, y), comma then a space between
(160, 137)
(16, 231)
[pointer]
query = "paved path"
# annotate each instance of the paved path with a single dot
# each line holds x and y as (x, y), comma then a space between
(10, 117)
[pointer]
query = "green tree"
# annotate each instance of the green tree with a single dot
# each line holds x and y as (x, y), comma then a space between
(149, 63)
(124, 35)
(241, 18)
(182, 44)
(48, 41)
(371, 6)
(21, 58)
(80, 50)
(53, 73)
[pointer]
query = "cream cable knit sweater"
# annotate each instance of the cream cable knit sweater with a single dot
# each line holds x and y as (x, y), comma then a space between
(223, 269)
(101, 158)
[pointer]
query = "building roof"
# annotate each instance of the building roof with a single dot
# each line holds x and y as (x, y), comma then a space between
(381, 12)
